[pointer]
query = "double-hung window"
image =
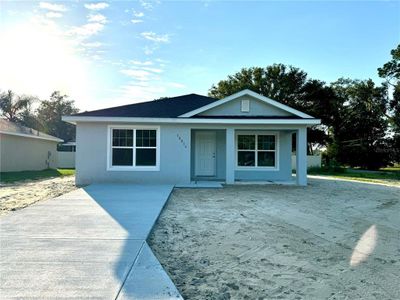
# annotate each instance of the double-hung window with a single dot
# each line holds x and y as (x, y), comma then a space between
(134, 148)
(257, 150)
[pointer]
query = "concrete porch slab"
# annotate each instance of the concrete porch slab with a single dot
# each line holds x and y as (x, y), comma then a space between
(291, 182)
(201, 184)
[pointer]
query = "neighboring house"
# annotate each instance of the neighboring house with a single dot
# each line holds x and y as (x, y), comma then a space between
(66, 155)
(26, 149)
(243, 137)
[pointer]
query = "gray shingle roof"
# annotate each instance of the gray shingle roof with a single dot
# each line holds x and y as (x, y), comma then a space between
(8, 127)
(163, 108)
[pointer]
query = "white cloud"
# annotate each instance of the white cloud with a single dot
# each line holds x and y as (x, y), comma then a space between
(134, 92)
(52, 6)
(96, 6)
(150, 50)
(53, 14)
(136, 21)
(148, 5)
(92, 45)
(153, 70)
(97, 18)
(158, 38)
(137, 74)
(86, 30)
(138, 14)
(141, 63)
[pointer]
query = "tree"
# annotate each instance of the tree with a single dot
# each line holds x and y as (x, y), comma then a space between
(13, 106)
(50, 113)
(360, 135)
(391, 72)
(288, 85)
(278, 82)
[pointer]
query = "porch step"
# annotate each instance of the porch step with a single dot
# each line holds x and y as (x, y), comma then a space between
(201, 184)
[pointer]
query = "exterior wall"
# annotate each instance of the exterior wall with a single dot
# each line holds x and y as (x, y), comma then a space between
(313, 161)
(176, 156)
(257, 108)
(91, 156)
(24, 154)
(66, 159)
(284, 171)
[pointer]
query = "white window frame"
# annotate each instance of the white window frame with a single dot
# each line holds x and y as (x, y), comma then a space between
(110, 167)
(257, 168)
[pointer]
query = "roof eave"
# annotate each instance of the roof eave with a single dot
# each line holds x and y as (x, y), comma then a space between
(53, 139)
(180, 120)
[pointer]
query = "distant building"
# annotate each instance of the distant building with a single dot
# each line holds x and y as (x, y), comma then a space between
(66, 155)
(24, 149)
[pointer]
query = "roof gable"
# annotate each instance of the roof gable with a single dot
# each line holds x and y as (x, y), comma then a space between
(255, 107)
(262, 107)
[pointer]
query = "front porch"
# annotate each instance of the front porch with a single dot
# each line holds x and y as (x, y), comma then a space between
(248, 155)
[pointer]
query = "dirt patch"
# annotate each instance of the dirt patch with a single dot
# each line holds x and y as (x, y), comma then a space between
(24, 193)
(330, 240)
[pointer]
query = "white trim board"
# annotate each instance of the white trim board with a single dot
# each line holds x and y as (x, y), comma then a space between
(75, 119)
(244, 93)
(54, 139)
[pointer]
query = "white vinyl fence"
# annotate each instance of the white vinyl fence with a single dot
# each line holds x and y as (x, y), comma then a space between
(66, 160)
(313, 161)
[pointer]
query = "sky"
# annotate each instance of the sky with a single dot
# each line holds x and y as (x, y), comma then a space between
(112, 53)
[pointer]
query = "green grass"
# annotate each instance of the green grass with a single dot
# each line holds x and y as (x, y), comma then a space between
(394, 168)
(8, 177)
(387, 174)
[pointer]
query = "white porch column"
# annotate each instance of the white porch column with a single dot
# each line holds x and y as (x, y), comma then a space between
(230, 156)
(301, 156)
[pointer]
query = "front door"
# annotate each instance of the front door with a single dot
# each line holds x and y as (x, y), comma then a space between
(205, 153)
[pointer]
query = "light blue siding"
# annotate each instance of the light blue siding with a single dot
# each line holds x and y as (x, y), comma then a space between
(91, 156)
(257, 108)
(176, 155)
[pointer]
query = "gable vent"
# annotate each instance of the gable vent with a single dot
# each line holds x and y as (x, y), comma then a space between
(245, 105)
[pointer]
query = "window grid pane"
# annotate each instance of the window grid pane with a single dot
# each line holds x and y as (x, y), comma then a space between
(266, 159)
(122, 137)
(146, 138)
(246, 142)
(246, 158)
(266, 142)
(146, 157)
(122, 157)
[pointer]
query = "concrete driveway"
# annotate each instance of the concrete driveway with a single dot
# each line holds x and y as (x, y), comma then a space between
(90, 243)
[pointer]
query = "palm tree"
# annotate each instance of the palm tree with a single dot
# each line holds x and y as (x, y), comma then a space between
(12, 106)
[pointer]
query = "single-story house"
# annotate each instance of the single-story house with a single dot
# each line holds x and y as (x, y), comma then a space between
(243, 137)
(26, 149)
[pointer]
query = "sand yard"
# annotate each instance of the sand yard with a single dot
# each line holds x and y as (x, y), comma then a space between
(21, 194)
(330, 240)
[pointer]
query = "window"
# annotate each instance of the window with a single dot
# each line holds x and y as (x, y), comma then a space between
(257, 150)
(133, 148)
